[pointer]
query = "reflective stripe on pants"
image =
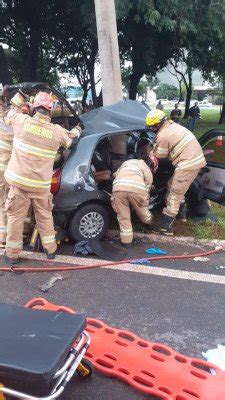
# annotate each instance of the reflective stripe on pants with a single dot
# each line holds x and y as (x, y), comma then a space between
(178, 185)
(17, 206)
(121, 202)
(3, 218)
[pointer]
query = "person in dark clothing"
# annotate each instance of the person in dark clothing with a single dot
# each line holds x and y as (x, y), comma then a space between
(193, 116)
(176, 114)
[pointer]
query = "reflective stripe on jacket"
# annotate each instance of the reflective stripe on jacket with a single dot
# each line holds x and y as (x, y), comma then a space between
(177, 143)
(6, 139)
(133, 176)
(35, 145)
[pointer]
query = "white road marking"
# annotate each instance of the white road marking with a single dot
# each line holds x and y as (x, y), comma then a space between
(159, 271)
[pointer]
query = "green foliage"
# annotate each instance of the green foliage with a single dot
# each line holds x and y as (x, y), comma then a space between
(46, 37)
(142, 88)
(29, 29)
(165, 91)
(144, 29)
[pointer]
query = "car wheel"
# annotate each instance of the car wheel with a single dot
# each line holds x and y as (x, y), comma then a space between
(89, 222)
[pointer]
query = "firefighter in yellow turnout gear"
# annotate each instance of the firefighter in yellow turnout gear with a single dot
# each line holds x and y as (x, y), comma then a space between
(131, 186)
(6, 140)
(177, 143)
(29, 172)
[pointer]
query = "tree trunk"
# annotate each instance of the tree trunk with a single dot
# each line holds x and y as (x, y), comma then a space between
(5, 75)
(222, 114)
(187, 103)
(180, 92)
(91, 71)
(84, 98)
(188, 94)
(99, 100)
(134, 81)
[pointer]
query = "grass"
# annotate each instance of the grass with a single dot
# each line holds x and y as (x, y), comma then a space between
(199, 230)
(208, 229)
(209, 120)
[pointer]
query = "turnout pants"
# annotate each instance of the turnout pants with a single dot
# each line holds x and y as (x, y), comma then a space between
(121, 202)
(177, 187)
(4, 188)
(17, 205)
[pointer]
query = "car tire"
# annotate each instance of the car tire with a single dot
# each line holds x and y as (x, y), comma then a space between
(91, 221)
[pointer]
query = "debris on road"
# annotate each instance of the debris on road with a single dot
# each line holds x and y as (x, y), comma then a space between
(142, 261)
(202, 259)
(216, 356)
(100, 249)
(155, 250)
(51, 282)
(83, 248)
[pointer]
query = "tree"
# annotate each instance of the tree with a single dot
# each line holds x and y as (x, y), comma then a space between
(142, 41)
(79, 45)
(153, 32)
(196, 41)
(28, 28)
(46, 37)
(185, 77)
(164, 91)
(179, 80)
(212, 62)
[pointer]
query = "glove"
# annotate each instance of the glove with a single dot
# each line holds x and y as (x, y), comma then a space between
(153, 162)
(75, 132)
(19, 99)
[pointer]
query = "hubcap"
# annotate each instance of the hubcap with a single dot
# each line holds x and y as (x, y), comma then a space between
(91, 224)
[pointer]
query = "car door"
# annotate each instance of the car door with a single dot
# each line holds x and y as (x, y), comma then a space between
(210, 183)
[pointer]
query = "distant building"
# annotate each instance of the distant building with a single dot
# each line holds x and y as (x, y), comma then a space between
(165, 76)
(73, 91)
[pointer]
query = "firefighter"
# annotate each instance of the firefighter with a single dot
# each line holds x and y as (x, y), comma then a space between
(29, 172)
(177, 143)
(131, 186)
(6, 139)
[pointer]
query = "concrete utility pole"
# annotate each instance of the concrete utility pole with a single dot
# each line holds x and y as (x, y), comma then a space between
(110, 62)
(108, 51)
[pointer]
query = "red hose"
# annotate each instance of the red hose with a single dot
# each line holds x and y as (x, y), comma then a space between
(99, 265)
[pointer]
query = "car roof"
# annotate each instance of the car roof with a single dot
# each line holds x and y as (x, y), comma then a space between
(123, 116)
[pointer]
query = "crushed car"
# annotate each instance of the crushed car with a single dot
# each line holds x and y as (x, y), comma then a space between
(82, 179)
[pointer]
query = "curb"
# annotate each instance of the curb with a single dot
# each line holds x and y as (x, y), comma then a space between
(173, 239)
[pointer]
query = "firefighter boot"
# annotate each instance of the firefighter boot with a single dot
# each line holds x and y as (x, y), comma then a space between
(182, 214)
(11, 261)
(126, 245)
(165, 225)
(50, 256)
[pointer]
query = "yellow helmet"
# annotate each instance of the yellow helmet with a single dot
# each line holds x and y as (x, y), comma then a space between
(155, 117)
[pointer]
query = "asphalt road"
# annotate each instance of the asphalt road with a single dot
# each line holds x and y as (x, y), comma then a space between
(183, 312)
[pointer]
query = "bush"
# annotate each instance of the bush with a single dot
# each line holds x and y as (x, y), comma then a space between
(165, 91)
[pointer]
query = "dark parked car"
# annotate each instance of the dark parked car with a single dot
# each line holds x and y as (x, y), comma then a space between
(82, 180)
